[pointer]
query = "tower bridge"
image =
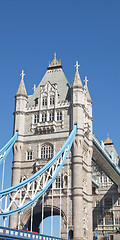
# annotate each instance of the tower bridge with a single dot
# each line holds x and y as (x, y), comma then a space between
(58, 163)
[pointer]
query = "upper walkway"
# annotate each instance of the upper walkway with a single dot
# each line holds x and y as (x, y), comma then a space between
(105, 162)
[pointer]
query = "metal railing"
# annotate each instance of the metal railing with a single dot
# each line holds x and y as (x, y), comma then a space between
(9, 233)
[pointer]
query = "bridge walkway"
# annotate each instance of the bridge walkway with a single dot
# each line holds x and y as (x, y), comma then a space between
(9, 233)
(105, 162)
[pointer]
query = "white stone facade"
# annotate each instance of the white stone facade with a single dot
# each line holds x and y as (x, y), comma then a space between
(44, 121)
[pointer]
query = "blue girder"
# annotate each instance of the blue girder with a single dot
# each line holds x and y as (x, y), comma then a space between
(5, 150)
(65, 151)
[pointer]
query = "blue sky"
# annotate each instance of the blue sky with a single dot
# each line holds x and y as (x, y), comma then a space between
(87, 31)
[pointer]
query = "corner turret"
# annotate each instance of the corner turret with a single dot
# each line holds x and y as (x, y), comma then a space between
(20, 106)
(81, 158)
(19, 125)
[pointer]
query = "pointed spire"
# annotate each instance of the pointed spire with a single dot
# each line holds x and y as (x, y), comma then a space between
(21, 89)
(77, 80)
(86, 89)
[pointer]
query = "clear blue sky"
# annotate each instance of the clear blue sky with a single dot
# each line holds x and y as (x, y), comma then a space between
(87, 31)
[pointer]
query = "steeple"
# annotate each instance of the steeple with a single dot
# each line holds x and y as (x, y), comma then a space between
(21, 89)
(86, 89)
(77, 80)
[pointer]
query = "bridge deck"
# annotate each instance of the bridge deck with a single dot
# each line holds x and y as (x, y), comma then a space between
(9, 233)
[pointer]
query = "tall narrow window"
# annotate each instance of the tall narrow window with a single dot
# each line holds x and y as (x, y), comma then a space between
(38, 149)
(59, 181)
(101, 179)
(46, 152)
(44, 117)
(51, 116)
(36, 118)
(44, 101)
(36, 101)
(29, 155)
(59, 116)
(105, 179)
(52, 100)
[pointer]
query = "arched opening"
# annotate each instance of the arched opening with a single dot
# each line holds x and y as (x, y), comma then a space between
(44, 227)
(71, 234)
(47, 151)
(47, 226)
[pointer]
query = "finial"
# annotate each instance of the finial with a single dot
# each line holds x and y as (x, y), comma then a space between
(54, 55)
(34, 88)
(22, 75)
(108, 140)
(77, 66)
(86, 80)
(55, 63)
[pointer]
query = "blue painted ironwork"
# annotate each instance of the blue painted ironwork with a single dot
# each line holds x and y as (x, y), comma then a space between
(95, 182)
(41, 171)
(95, 139)
(55, 165)
(9, 233)
(5, 150)
(96, 235)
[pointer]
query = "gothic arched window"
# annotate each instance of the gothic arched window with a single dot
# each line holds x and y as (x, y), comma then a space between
(44, 117)
(46, 151)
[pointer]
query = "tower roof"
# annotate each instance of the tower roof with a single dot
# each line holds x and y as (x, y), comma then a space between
(21, 89)
(77, 80)
(54, 75)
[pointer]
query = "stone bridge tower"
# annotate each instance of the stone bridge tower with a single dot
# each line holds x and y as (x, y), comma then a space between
(44, 121)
